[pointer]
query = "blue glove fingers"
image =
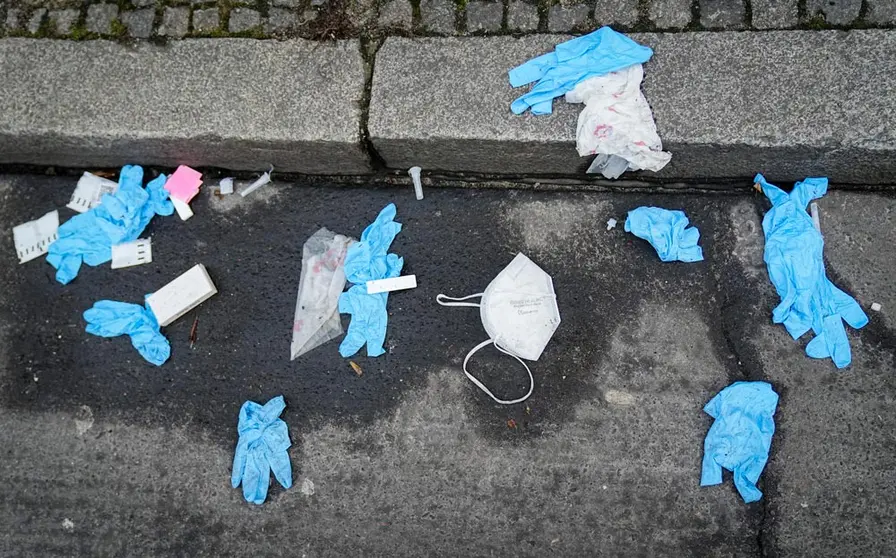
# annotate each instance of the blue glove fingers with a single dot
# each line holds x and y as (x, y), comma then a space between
(808, 190)
(272, 409)
(353, 341)
(711, 472)
(256, 476)
(131, 176)
(153, 346)
(775, 195)
(831, 342)
(543, 107)
(68, 268)
(376, 325)
(747, 489)
(158, 197)
(354, 336)
(532, 70)
(847, 307)
(280, 465)
(239, 462)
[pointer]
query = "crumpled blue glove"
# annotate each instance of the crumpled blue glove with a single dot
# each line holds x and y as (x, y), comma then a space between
(794, 256)
(121, 217)
(597, 53)
(365, 261)
(740, 437)
(262, 445)
(668, 233)
(108, 318)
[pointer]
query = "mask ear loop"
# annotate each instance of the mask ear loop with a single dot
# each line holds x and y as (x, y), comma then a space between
(441, 299)
(481, 386)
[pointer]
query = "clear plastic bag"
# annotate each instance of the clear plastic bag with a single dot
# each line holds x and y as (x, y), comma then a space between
(322, 281)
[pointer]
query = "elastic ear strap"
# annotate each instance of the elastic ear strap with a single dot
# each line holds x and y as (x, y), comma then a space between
(455, 301)
(485, 389)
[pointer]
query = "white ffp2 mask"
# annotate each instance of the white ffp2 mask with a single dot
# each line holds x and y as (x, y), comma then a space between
(519, 312)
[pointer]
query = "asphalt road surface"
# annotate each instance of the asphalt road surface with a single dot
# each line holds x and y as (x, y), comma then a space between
(104, 454)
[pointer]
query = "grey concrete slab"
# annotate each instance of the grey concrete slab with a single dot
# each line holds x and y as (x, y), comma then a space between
(408, 460)
(715, 107)
(834, 454)
(231, 103)
(106, 455)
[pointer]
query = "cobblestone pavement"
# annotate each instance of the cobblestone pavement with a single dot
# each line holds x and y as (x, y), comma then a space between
(328, 19)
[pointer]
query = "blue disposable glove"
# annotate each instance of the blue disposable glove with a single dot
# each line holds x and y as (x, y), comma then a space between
(365, 261)
(262, 445)
(109, 318)
(122, 216)
(558, 72)
(668, 233)
(369, 318)
(794, 256)
(740, 437)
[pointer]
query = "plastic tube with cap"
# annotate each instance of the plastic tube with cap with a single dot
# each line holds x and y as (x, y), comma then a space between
(259, 182)
(415, 176)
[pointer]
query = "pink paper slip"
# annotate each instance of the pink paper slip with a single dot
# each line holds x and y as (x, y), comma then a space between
(184, 183)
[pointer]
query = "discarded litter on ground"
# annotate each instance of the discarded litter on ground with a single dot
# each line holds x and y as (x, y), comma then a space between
(259, 182)
(184, 183)
(225, 187)
(668, 233)
(182, 186)
(519, 313)
(193, 330)
(261, 449)
(182, 208)
(365, 261)
(816, 218)
(876, 307)
(794, 255)
(617, 124)
(740, 438)
(33, 239)
(187, 291)
(89, 237)
(356, 368)
(89, 192)
(395, 284)
(611, 223)
(128, 254)
(320, 284)
(602, 70)
(414, 173)
(109, 318)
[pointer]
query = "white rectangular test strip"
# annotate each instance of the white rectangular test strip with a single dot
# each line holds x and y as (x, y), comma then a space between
(394, 284)
(183, 294)
(133, 253)
(33, 239)
(89, 192)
